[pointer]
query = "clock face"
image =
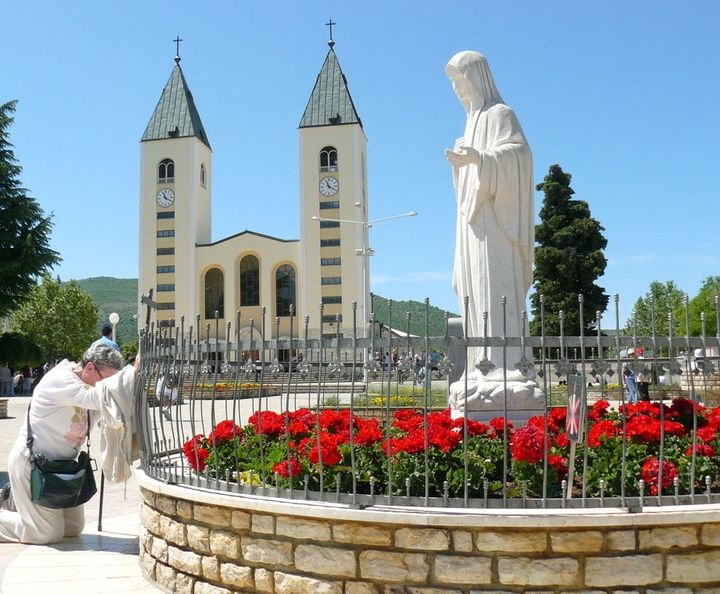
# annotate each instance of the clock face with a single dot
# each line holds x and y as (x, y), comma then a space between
(165, 197)
(329, 186)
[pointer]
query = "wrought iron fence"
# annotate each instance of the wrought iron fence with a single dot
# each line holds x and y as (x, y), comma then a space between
(323, 419)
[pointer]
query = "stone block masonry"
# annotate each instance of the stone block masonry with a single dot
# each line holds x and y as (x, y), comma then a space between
(202, 542)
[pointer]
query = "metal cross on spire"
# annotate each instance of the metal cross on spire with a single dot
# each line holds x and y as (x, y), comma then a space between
(330, 24)
(177, 41)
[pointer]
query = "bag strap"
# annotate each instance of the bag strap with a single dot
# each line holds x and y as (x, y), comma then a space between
(30, 439)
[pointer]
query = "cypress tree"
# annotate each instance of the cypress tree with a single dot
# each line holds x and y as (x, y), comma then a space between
(568, 259)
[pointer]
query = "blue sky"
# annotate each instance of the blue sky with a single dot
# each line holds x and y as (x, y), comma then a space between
(623, 95)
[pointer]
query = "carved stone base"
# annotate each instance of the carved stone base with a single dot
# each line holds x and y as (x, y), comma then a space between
(486, 395)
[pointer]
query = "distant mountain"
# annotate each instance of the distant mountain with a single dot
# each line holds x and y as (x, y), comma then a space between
(117, 295)
(400, 309)
(120, 295)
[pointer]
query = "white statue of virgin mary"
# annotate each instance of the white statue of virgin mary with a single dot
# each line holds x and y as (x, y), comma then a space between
(492, 175)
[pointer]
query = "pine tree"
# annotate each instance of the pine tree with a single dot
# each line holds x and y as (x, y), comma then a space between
(25, 252)
(568, 259)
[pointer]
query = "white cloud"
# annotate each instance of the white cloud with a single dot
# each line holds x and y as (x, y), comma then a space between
(641, 259)
(413, 278)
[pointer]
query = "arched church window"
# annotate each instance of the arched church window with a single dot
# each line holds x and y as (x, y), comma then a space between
(284, 290)
(249, 281)
(329, 159)
(166, 171)
(202, 174)
(214, 293)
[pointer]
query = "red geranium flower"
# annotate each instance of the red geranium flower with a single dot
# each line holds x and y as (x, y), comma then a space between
(445, 439)
(713, 417)
(527, 444)
(601, 429)
(268, 423)
(498, 423)
(599, 410)
(302, 415)
(707, 434)
(288, 468)
(224, 431)
(412, 443)
(368, 433)
(561, 440)
(477, 428)
(651, 473)
(702, 449)
(556, 419)
(335, 422)
(328, 453)
(560, 465)
(195, 453)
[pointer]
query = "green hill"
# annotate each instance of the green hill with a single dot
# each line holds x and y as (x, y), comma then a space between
(400, 309)
(119, 295)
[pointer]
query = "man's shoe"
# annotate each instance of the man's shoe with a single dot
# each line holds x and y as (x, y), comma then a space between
(6, 498)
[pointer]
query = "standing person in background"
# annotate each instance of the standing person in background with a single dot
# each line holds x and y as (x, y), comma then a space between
(6, 381)
(106, 338)
(628, 377)
(27, 379)
(643, 377)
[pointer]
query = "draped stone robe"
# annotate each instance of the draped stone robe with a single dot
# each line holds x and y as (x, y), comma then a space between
(495, 232)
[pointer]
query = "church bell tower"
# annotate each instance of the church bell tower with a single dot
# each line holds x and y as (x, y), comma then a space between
(333, 204)
(175, 191)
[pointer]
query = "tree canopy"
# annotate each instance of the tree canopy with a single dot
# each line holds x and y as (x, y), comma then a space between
(668, 298)
(653, 309)
(25, 252)
(704, 302)
(568, 259)
(61, 319)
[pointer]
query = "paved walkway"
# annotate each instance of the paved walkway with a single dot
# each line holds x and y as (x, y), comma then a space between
(96, 562)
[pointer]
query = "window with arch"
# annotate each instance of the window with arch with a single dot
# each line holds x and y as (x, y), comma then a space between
(249, 281)
(329, 159)
(284, 290)
(166, 171)
(202, 175)
(214, 293)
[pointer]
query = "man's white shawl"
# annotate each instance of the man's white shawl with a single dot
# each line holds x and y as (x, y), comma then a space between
(117, 424)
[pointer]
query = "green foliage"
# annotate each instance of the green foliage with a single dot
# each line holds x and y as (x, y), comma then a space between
(16, 349)
(129, 349)
(704, 301)
(400, 309)
(60, 318)
(25, 250)
(661, 300)
(568, 259)
(668, 298)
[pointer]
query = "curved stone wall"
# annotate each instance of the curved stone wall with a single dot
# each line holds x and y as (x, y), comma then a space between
(200, 542)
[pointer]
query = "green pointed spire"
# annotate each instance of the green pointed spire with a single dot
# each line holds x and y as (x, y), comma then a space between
(175, 115)
(330, 103)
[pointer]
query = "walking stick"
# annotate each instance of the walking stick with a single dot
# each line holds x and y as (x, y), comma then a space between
(102, 493)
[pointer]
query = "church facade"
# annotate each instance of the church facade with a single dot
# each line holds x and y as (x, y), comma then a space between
(199, 279)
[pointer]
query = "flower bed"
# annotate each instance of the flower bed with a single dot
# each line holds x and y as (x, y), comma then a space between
(285, 448)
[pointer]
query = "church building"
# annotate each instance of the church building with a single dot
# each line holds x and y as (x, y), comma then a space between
(192, 273)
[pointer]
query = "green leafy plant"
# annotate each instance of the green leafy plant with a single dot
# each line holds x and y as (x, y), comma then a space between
(286, 448)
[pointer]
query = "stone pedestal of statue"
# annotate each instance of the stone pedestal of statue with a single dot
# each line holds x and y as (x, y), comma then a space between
(485, 396)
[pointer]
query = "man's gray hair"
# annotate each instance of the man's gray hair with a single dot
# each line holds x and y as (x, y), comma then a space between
(103, 357)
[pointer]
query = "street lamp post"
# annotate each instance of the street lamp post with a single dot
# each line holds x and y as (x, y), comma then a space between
(113, 319)
(366, 252)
